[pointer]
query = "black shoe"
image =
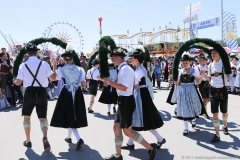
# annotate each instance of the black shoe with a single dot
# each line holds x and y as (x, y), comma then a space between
(90, 110)
(185, 132)
(215, 139)
(114, 110)
(114, 158)
(206, 116)
(79, 144)
(27, 144)
(194, 123)
(46, 145)
(128, 147)
(108, 113)
(152, 152)
(68, 140)
(225, 130)
(161, 143)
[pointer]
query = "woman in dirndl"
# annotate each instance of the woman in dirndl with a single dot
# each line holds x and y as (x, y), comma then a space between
(233, 74)
(189, 102)
(109, 94)
(70, 111)
(146, 117)
(60, 83)
(237, 80)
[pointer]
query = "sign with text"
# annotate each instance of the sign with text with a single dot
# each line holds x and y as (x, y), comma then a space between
(206, 24)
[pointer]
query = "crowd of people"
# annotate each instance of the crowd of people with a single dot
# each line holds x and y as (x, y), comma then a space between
(201, 80)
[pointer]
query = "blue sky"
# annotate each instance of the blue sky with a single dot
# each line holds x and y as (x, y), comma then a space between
(25, 20)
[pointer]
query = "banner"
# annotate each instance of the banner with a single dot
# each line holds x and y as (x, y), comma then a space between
(230, 30)
(206, 24)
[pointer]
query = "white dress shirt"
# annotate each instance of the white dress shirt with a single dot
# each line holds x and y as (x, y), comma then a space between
(205, 68)
(43, 73)
(126, 77)
(93, 73)
(59, 74)
(216, 82)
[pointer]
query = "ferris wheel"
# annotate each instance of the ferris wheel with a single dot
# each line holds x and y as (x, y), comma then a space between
(66, 32)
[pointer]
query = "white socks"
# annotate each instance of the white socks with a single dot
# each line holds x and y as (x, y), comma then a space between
(75, 132)
(185, 125)
(130, 141)
(109, 107)
(69, 133)
(154, 132)
(157, 135)
(232, 88)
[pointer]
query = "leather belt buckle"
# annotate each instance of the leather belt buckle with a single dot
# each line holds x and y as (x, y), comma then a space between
(216, 74)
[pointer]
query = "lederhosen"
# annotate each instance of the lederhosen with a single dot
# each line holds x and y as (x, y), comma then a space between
(204, 88)
(93, 85)
(219, 96)
(35, 96)
(126, 107)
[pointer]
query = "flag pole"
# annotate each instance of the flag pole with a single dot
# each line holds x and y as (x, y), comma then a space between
(222, 17)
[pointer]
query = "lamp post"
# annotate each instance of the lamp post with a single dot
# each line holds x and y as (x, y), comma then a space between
(100, 22)
(222, 17)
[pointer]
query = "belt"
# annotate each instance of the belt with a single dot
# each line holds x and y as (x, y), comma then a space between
(216, 74)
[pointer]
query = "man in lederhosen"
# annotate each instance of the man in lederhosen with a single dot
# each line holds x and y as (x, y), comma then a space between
(219, 93)
(204, 85)
(123, 120)
(93, 75)
(34, 74)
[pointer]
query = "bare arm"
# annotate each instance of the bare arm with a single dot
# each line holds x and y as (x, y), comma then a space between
(53, 76)
(115, 85)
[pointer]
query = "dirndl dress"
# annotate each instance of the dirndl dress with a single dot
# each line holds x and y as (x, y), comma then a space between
(70, 110)
(109, 94)
(189, 103)
(146, 116)
(237, 80)
(233, 77)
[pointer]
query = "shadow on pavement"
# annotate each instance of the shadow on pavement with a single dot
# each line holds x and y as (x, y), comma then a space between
(85, 153)
(31, 155)
(166, 116)
(98, 115)
(205, 137)
(12, 108)
(161, 154)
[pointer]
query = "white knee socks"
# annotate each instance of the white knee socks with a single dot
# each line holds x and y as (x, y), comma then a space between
(130, 141)
(109, 107)
(75, 132)
(69, 133)
(232, 88)
(157, 135)
(185, 125)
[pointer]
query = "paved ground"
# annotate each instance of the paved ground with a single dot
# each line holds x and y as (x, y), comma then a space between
(99, 137)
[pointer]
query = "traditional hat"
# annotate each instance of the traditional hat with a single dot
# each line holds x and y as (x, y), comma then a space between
(186, 57)
(232, 55)
(235, 57)
(69, 51)
(202, 55)
(139, 51)
(95, 61)
(119, 51)
(31, 47)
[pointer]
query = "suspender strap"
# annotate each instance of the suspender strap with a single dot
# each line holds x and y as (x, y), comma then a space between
(92, 73)
(34, 76)
(223, 77)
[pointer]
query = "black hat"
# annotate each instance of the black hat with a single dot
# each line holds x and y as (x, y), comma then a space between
(186, 57)
(95, 61)
(137, 52)
(202, 55)
(235, 57)
(119, 51)
(31, 47)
